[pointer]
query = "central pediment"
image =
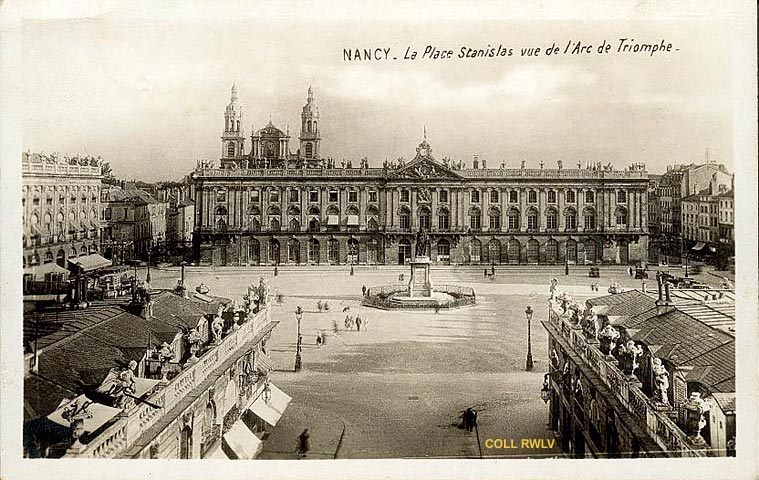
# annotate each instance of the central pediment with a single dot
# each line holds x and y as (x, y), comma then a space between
(425, 167)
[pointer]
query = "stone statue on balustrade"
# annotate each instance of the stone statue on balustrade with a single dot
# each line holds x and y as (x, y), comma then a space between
(661, 382)
(263, 291)
(194, 339)
(590, 325)
(695, 408)
(629, 354)
(120, 385)
(608, 339)
(422, 243)
(554, 285)
(217, 326)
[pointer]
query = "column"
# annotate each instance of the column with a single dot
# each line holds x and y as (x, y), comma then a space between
(561, 197)
(633, 222)
(542, 201)
(434, 206)
(396, 203)
(466, 203)
(644, 211)
(265, 209)
(503, 197)
(323, 194)
(343, 203)
(485, 202)
(362, 207)
(414, 213)
(523, 209)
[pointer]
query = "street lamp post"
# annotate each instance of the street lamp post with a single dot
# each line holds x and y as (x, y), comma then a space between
(147, 277)
(298, 317)
(529, 312)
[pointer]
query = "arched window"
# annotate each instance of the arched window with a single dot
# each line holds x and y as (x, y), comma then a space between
(533, 251)
(621, 217)
(424, 218)
(274, 251)
(571, 248)
(475, 219)
(404, 219)
(494, 251)
(333, 251)
(294, 225)
(570, 219)
(220, 218)
(352, 251)
(590, 196)
(513, 219)
(48, 257)
(552, 219)
(589, 217)
(532, 219)
(372, 225)
(494, 216)
(254, 225)
(570, 196)
(308, 126)
(313, 250)
(512, 250)
(293, 251)
(254, 252)
(552, 251)
(475, 254)
(274, 224)
(293, 210)
(313, 224)
(313, 210)
(316, 127)
(443, 220)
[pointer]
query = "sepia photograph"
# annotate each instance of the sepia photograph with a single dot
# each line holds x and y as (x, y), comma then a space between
(484, 239)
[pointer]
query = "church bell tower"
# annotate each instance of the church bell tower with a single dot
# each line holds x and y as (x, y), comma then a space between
(309, 129)
(233, 139)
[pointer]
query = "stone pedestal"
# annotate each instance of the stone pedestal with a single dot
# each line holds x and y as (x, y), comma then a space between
(420, 284)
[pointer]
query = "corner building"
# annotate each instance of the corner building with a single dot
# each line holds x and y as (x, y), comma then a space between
(277, 207)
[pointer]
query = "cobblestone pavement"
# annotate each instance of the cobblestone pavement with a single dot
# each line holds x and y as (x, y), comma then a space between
(397, 387)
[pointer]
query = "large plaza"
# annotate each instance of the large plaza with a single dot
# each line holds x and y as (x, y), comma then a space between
(397, 387)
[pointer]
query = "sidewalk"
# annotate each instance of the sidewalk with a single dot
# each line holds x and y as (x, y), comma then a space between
(325, 432)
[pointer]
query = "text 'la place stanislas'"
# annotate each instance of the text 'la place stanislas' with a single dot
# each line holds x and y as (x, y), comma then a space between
(571, 47)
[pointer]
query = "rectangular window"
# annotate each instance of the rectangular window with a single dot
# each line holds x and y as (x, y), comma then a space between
(532, 196)
(475, 197)
(551, 221)
(495, 222)
(551, 196)
(255, 196)
(443, 196)
(333, 196)
(571, 196)
(36, 201)
(352, 196)
(404, 196)
(221, 196)
(513, 197)
(294, 195)
(107, 213)
(443, 222)
(570, 222)
(405, 222)
(313, 196)
(621, 196)
(494, 196)
(532, 222)
(372, 196)
(590, 222)
(49, 201)
(475, 222)
(513, 222)
(590, 197)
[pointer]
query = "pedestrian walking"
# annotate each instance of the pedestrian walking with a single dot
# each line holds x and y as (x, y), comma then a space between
(303, 445)
(335, 328)
(363, 290)
(473, 421)
(319, 339)
(347, 322)
(358, 323)
(365, 323)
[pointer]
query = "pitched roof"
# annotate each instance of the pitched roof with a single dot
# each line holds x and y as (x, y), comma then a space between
(721, 367)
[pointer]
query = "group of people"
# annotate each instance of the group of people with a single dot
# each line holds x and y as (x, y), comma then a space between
(357, 322)
(469, 419)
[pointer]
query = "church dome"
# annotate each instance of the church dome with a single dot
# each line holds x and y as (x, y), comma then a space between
(270, 131)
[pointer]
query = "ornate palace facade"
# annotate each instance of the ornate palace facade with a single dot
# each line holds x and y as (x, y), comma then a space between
(274, 207)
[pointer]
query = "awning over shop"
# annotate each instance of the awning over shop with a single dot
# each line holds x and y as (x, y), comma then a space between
(271, 411)
(333, 220)
(40, 271)
(242, 441)
(91, 262)
(698, 246)
(95, 415)
(352, 219)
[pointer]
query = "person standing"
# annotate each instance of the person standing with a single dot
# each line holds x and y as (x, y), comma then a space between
(358, 323)
(363, 290)
(303, 446)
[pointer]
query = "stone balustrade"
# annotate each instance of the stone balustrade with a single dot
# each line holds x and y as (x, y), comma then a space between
(662, 429)
(135, 420)
(43, 168)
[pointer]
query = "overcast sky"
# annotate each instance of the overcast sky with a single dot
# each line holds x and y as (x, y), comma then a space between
(148, 94)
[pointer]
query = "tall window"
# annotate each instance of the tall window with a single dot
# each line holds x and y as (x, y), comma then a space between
(221, 196)
(590, 220)
(551, 196)
(443, 196)
(552, 220)
(353, 196)
(333, 196)
(590, 196)
(621, 217)
(475, 219)
(443, 220)
(475, 196)
(494, 196)
(570, 220)
(372, 196)
(294, 195)
(405, 195)
(495, 219)
(255, 196)
(621, 196)
(571, 196)
(313, 196)
(405, 220)
(424, 219)
(274, 196)
(513, 219)
(532, 220)
(532, 196)
(513, 196)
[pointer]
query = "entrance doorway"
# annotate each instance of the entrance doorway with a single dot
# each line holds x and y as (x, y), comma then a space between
(273, 251)
(404, 252)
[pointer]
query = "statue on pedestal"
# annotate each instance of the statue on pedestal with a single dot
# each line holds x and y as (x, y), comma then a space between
(217, 326)
(607, 337)
(263, 291)
(661, 382)
(422, 243)
(629, 352)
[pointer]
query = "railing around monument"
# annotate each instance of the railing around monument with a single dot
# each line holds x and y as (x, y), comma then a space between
(136, 420)
(380, 296)
(662, 429)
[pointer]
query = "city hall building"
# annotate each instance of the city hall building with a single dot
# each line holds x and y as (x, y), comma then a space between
(270, 206)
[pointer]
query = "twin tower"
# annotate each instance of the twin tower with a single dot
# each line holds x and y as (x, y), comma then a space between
(270, 146)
